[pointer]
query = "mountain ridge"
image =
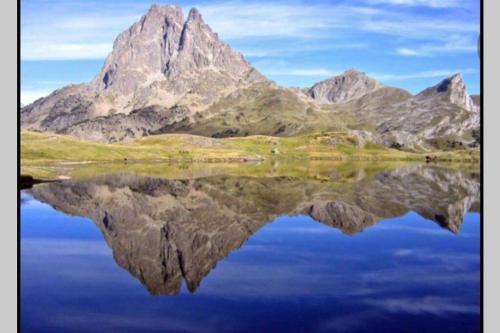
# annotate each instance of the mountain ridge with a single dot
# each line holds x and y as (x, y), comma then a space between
(170, 75)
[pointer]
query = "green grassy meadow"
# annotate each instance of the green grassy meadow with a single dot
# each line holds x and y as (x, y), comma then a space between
(46, 156)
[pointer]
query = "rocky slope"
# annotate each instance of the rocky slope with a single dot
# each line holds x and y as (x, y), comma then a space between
(166, 231)
(166, 74)
(444, 115)
(345, 87)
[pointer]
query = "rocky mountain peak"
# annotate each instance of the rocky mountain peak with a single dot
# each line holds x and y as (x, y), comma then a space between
(194, 15)
(353, 72)
(454, 90)
(163, 10)
(200, 49)
(161, 47)
(139, 54)
(452, 83)
(165, 59)
(342, 88)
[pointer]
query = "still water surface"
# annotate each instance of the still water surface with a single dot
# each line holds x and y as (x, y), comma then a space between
(397, 250)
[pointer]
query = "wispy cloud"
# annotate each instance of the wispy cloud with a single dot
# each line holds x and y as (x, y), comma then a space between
(85, 34)
(236, 20)
(81, 31)
(279, 69)
(29, 96)
(65, 51)
(313, 72)
(316, 39)
(456, 44)
(442, 73)
(295, 47)
(439, 306)
(246, 19)
(423, 3)
(409, 28)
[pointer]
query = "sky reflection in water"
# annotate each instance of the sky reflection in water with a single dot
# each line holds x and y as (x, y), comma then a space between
(403, 274)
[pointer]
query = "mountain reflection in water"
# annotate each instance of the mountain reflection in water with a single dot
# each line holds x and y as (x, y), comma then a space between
(165, 231)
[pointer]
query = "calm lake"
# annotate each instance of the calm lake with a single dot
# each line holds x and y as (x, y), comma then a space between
(349, 249)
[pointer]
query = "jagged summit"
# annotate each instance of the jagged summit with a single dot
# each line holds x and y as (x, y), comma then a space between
(353, 71)
(452, 89)
(141, 52)
(342, 88)
(163, 46)
(454, 81)
(194, 15)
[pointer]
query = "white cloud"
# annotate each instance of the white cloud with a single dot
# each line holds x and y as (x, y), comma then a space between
(404, 252)
(439, 306)
(407, 52)
(442, 73)
(236, 20)
(303, 72)
(423, 3)
(29, 96)
(85, 34)
(75, 34)
(408, 27)
(294, 48)
(455, 44)
(280, 68)
(65, 51)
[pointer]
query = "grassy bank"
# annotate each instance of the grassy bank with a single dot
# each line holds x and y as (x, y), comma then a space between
(41, 152)
(48, 148)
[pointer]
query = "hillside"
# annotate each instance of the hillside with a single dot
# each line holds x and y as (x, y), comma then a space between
(41, 148)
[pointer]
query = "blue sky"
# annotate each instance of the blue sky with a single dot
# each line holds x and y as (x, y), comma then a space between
(410, 44)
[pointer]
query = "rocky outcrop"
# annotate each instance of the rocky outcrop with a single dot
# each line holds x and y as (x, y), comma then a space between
(443, 116)
(168, 231)
(120, 127)
(61, 109)
(350, 85)
(453, 90)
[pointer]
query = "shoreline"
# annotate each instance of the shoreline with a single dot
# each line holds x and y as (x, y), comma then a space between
(47, 156)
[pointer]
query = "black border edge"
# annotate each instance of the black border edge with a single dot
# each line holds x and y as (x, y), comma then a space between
(18, 165)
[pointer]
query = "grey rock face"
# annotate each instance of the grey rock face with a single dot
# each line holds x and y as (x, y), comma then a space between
(120, 127)
(350, 85)
(164, 47)
(60, 109)
(142, 52)
(443, 115)
(453, 90)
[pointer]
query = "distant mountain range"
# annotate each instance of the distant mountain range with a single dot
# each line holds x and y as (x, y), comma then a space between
(170, 75)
